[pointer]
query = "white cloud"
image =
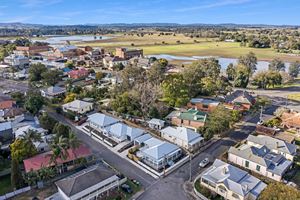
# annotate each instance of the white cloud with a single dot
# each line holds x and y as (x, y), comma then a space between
(17, 19)
(38, 3)
(213, 5)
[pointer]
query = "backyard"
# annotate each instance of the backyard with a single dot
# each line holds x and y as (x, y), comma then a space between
(5, 185)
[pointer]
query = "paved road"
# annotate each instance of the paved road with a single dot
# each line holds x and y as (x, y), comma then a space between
(102, 151)
(170, 187)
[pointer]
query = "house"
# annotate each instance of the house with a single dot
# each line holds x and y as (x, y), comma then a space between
(260, 160)
(205, 105)
(25, 129)
(7, 104)
(78, 107)
(11, 113)
(275, 145)
(141, 62)
(31, 50)
(39, 161)
(291, 119)
(100, 121)
(240, 100)
(158, 154)
(120, 132)
(183, 137)
(6, 133)
(110, 62)
(128, 53)
(17, 61)
(78, 73)
(88, 183)
(231, 182)
(53, 91)
(156, 123)
(191, 118)
(67, 51)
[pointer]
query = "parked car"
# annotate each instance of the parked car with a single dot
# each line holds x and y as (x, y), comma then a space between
(126, 188)
(204, 162)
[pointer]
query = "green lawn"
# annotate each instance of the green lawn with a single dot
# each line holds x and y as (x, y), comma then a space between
(5, 185)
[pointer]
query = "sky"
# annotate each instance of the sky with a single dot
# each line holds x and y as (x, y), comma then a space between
(59, 12)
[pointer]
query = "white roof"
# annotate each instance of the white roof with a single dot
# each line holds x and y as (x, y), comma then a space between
(102, 120)
(23, 130)
(183, 133)
(235, 179)
(157, 122)
(76, 105)
(158, 149)
(121, 130)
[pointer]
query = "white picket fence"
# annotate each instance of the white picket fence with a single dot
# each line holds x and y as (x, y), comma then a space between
(14, 193)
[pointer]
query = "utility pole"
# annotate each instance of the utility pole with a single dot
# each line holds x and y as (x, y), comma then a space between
(190, 155)
(261, 114)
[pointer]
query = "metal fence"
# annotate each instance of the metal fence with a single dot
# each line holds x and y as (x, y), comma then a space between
(14, 193)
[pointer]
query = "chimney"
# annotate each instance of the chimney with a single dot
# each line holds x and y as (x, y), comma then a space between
(224, 170)
(277, 144)
(245, 187)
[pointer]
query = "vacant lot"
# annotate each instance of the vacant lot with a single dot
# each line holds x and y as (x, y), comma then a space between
(186, 46)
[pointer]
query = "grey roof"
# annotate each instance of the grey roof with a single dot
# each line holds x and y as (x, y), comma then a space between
(156, 122)
(235, 179)
(67, 48)
(143, 138)
(275, 163)
(205, 101)
(77, 104)
(182, 133)
(240, 96)
(102, 120)
(84, 179)
(157, 149)
(273, 143)
(55, 90)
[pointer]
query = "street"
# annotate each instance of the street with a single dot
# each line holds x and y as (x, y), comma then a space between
(171, 186)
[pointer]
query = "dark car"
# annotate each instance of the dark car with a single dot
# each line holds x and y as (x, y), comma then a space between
(126, 188)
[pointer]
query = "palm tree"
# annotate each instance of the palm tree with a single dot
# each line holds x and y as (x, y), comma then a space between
(73, 141)
(45, 173)
(59, 148)
(30, 137)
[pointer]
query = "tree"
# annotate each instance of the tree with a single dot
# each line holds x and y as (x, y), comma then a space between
(118, 67)
(265, 79)
(217, 122)
(69, 64)
(25, 42)
(163, 62)
(16, 175)
(59, 148)
(19, 97)
(70, 97)
(277, 65)
(294, 69)
(155, 74)
(242, 76)
(175, 90)
(250, 61)
(21, 150)
(61, 130)
(29, 138)
(33, 103)
(126, 103)
(99, 76)
(230, 71)
(51, 77)
(47, 122)
(73, 142)
(279, 191)
(35, 71)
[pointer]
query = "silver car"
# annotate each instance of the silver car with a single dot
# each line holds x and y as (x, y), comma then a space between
(204, 162)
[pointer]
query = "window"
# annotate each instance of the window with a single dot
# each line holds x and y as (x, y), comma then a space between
(222, 189)
(247, 164)
(257, 168)
(205, 106)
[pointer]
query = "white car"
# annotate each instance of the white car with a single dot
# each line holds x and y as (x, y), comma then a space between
(6, 91)
(204, 162)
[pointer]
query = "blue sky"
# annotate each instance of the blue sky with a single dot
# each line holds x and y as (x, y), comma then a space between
(147, 11)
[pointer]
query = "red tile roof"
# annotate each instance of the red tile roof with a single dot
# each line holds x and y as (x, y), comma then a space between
(7, 104)
(43, 160)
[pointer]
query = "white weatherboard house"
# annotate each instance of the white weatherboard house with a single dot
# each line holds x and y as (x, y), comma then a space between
(120, 132)
(277, 146)
(53, 91)
(156, 123)
(89, 183)
(99, 121)
(78, 106)
(157, 153)
(231, 182)
(183, 137)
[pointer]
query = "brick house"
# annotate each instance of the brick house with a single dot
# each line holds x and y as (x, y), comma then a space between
(128, 53)
(32, 50)
(205, 105)
(239, 100)
(78, 73)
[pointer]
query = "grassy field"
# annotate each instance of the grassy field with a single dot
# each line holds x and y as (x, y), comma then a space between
(152, 44)
(295, 97)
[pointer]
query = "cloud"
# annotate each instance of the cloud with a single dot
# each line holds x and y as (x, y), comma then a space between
(38, 3)
(17, 19)
(219, 3)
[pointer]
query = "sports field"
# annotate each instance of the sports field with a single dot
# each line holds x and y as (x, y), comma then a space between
(181, 45)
